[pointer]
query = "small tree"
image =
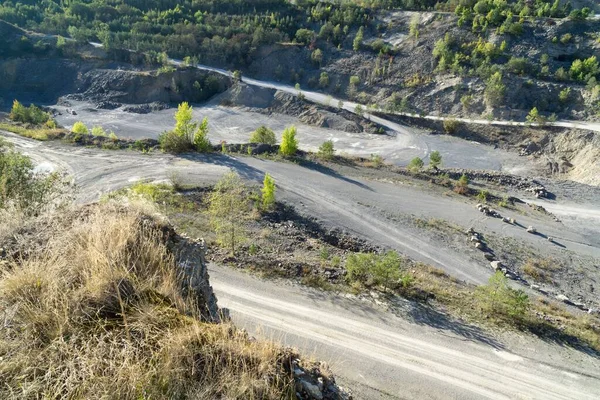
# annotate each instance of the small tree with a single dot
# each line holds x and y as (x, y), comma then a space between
(435, 159)
(413, 28)
(564, 94)
(462, 186)
(415, 165)
(229, 209)
(98, 131)
(495, 89)
(79, 128)
(324, 80)
(451, 126)
(358, 39)
(358, 110)
(237, 75)
(535, 117)
(289, 143)
(268, 193)
(263, 135)
(326, 150)
(201, 141)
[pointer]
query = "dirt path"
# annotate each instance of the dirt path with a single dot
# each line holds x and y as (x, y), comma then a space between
(382, 356)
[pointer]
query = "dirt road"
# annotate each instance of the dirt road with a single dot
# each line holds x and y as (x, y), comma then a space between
(383, 356)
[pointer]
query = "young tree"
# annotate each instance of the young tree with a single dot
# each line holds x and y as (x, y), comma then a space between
(268, 193)
(263, 135)
(435, 159)
(184, 127)
(416, 164)
(229, 209)
(201, 141)
(326, 150)
(289, 143)
(413, 28)
(498, 299)
(358, 39)
(358, 110)
(462, 186)
(495, 89)
(317, 57)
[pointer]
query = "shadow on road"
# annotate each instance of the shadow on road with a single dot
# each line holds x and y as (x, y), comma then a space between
(330, 172)
(244, 170)
(422, 314)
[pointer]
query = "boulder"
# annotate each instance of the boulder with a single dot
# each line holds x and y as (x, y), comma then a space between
(496, 265)
(531, 229)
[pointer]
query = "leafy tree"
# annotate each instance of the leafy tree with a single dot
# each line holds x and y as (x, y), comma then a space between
(289, 143)
(229, 209)
(268, 193)
(583, 70)
(305, 36)
(201, 141)
(358, 39)
(435, 159)
(263, 135)
(326, 150)
(317, 57)
(416, 164)
(80, 128)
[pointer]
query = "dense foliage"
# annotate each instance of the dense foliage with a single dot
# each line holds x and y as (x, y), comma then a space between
(210, 30)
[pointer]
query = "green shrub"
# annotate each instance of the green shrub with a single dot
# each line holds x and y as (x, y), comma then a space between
(326, 150)
(498, 300)
(80, 128)
(564, 94)
(171, 142)
(416, 164)
(98, 131)
(263, 135)
(483, 195)
(435, 159)
(201, 141)
(451, 126)
(371, 269)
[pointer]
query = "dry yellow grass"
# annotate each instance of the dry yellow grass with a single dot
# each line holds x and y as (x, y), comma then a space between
(42, 134)
(98, 312)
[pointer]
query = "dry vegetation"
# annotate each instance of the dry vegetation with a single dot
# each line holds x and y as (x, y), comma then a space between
(34, 132)
(92, 307)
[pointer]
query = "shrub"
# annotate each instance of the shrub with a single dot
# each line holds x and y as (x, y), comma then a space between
(451, 126)
(416, 164)
(462, 186)
(500, 301)
(564, 94)
(494, 90)
(79, 128)
(171, 142)
(26, 191)
(435, 159)
(371, 269)
(263, 135)
(483, 195)
(326, 150)
(289, 143)
(98, 131)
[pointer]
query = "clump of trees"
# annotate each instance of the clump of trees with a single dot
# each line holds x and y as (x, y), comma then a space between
(29, 115)
(187, 135)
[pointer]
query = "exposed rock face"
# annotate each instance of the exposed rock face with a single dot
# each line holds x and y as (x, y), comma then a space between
(109, 84)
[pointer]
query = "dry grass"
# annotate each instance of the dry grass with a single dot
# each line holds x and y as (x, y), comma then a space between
(540, 270)
(98, 313)
(42, 134)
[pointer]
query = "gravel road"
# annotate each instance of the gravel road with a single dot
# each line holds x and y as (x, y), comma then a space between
(383, 356)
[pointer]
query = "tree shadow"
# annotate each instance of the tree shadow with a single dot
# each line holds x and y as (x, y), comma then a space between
(244, 170)
(314, 166)
(423, 314)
